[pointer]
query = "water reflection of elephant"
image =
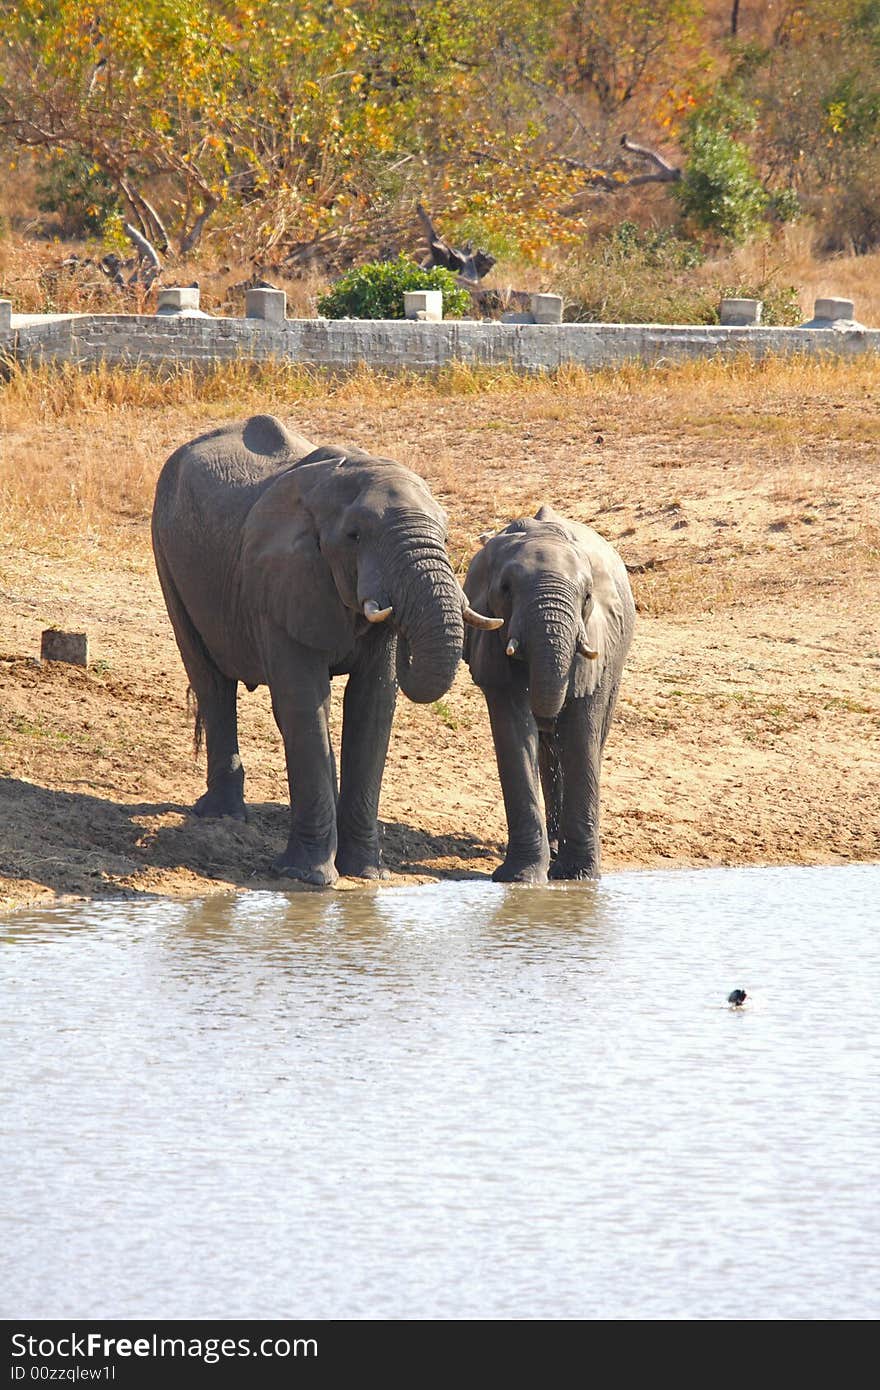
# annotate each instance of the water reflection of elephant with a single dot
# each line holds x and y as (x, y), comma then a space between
(395, 933)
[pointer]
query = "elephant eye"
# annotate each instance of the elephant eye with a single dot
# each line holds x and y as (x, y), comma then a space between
(353, 536)
(505, 587)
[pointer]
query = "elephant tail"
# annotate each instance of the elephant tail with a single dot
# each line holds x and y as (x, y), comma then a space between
(192, 707)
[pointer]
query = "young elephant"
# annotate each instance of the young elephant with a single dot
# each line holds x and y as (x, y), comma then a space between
(550, 676)
(285, 565)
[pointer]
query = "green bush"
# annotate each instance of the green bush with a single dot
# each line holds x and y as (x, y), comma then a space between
(784, 205)
(375, 291)
(719, 189)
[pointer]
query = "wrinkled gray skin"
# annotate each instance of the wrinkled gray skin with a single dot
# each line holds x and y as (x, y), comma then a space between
(267, 550)
(554, 582)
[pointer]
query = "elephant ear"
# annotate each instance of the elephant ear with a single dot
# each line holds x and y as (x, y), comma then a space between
(265, 435)
(588, 670)
(284, 575)
(546, 513)
(604, 626)
(483, 651)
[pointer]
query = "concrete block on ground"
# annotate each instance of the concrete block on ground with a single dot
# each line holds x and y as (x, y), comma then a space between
(72, 647)
(179, 299)
(267, 304)
(739, 313)
(426, 305)
(834, 309)
(5, 315)
(833, 313)
(547, 308)
(517, 318)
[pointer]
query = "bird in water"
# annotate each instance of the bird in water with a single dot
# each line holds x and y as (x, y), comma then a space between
(737, 997)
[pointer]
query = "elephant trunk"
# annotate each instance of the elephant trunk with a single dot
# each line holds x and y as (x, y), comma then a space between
(427, 609)
(550, 628)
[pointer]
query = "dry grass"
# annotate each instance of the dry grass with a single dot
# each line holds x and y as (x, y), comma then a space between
(737, 461)
(789, 260)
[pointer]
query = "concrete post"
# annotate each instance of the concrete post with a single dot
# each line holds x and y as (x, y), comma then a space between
(269, 305)
(178, 299)
(72, 647)
(426, 305)
(5, 315)
(740, 313)
(547, 308)
(833, 309)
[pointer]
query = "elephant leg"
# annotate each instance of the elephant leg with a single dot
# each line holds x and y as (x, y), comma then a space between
(300, 688)
(368, 710)
(218, 712)
(580, 740)
(551, 786)
(515, 736)
(216, 696)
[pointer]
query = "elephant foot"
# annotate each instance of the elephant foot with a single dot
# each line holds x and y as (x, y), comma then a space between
(520, 871)
(306, 866)
(571, 870)
(221, 801)
(356, 861)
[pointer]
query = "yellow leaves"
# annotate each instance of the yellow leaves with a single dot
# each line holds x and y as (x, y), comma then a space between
(836, 116)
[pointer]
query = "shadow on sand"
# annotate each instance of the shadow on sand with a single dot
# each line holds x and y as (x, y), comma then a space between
(75, 843)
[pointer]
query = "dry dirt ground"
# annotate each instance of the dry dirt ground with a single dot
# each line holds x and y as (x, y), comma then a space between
(745, 501)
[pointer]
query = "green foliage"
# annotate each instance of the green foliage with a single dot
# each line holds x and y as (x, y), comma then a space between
(728, 110)
(81, 195)
(375, 291)
(784, 205)
(720, 190)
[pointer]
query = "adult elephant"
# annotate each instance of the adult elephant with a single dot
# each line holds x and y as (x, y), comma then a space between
(550, 676)
(284, 565)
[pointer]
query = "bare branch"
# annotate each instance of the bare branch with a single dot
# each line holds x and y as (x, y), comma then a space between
(158, 225)
(146, 275)
(666, 172)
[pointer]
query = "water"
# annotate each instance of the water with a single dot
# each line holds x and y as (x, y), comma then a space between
(450, 1101)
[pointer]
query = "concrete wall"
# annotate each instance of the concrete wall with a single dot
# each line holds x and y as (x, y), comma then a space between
(126, 339)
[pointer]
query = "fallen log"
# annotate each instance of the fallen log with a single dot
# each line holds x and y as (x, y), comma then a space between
(468, 264)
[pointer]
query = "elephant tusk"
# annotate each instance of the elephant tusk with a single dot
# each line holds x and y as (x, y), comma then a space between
(512, 647)
(585, 650)
(480, 620)
(373, 613)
